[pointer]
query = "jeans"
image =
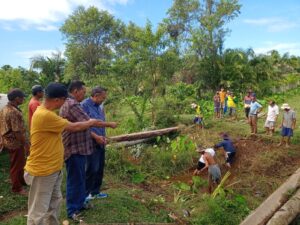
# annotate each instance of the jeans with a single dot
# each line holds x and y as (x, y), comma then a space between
(94, 170)
(75, 196)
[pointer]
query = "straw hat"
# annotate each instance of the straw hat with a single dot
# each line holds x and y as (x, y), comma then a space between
(285, 106)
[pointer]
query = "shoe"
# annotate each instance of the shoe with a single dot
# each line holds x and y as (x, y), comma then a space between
(89, 198)
(101, 195)
(87, 205)
(76, 217)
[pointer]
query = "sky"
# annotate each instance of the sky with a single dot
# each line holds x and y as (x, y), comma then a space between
(31, 27)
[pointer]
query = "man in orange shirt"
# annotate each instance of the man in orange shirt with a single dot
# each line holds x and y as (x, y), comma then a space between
(37, 95)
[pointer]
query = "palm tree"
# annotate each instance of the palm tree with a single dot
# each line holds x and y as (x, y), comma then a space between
(49, 68)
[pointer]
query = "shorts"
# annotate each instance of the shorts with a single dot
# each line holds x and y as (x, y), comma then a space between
(270, 124)
(214, 173)
(217, 109)
(230, 157)
(222, 105)
(198, 120)
(286, 132)
(200, 165)
(232, 111)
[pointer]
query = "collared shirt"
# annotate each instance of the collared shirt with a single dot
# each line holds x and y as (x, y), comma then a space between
(273, 112)
(46, 150)
(94, 111)
(288, 118)
(227, 145)
(32, 106)
(79, 142)
(254, 106)
(11, 121)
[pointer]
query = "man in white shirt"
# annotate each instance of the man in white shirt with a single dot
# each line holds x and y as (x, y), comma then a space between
(273, 112)
(201, 162)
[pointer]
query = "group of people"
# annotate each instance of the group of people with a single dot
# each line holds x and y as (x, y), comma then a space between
(226, 102)
(207, 161)
(75, 137)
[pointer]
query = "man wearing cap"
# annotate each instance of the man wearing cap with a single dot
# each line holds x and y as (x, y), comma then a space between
(228, 148)
(37, 94)
(288, 124)
(77, 146)
(45, 162)
(14, 140)
(273, 112)
(255, 108)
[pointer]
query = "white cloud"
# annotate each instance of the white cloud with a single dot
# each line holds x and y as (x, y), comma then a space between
(291, 48)
(43, 14)
(41, 52)
(273, 24)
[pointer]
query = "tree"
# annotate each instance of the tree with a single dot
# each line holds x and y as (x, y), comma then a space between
(144, 66)
(92, 37)
(49, 68)
(203, 23)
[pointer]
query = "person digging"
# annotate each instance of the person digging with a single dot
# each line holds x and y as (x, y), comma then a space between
(214, 172)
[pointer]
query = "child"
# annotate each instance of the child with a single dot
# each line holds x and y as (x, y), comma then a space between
(198, 117)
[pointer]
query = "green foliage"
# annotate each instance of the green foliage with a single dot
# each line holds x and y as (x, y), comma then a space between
(228, 210)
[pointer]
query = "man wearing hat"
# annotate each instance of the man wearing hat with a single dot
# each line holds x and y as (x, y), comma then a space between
(288, 124)
(37, 95)
(12, 130)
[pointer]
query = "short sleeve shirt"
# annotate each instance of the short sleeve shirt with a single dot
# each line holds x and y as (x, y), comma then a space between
(47, 150)
(79, 142)
(254, 106)
(288, 117)
(272, 113)
(32, 106)
(11, 121)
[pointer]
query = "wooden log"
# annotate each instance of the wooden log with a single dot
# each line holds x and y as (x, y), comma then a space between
(288, 212)
(129, 143)
(266, 210)
(142, 135)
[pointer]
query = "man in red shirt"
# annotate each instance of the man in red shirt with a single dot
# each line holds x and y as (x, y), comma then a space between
(37, 95)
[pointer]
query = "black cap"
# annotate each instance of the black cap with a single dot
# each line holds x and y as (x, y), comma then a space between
(36, 89)
(56, 90)
(14, 93)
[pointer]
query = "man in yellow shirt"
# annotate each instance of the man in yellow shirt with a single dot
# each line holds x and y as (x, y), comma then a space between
(45, 162)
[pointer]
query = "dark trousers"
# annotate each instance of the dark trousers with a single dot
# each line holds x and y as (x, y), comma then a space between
(75, 196)
(247, 110)
(94, 170)
(16, 171)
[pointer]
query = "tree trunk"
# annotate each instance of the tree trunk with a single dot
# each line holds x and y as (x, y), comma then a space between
(143, 135)
(288, 212)
(267, 209)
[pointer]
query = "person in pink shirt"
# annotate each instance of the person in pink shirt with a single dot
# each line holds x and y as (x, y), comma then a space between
(37, 95)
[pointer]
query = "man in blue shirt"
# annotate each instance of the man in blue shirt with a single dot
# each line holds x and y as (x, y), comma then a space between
(95, 162)
(228, 148)
(255, 108)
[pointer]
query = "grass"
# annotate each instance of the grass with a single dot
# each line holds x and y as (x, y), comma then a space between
(150, 200)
